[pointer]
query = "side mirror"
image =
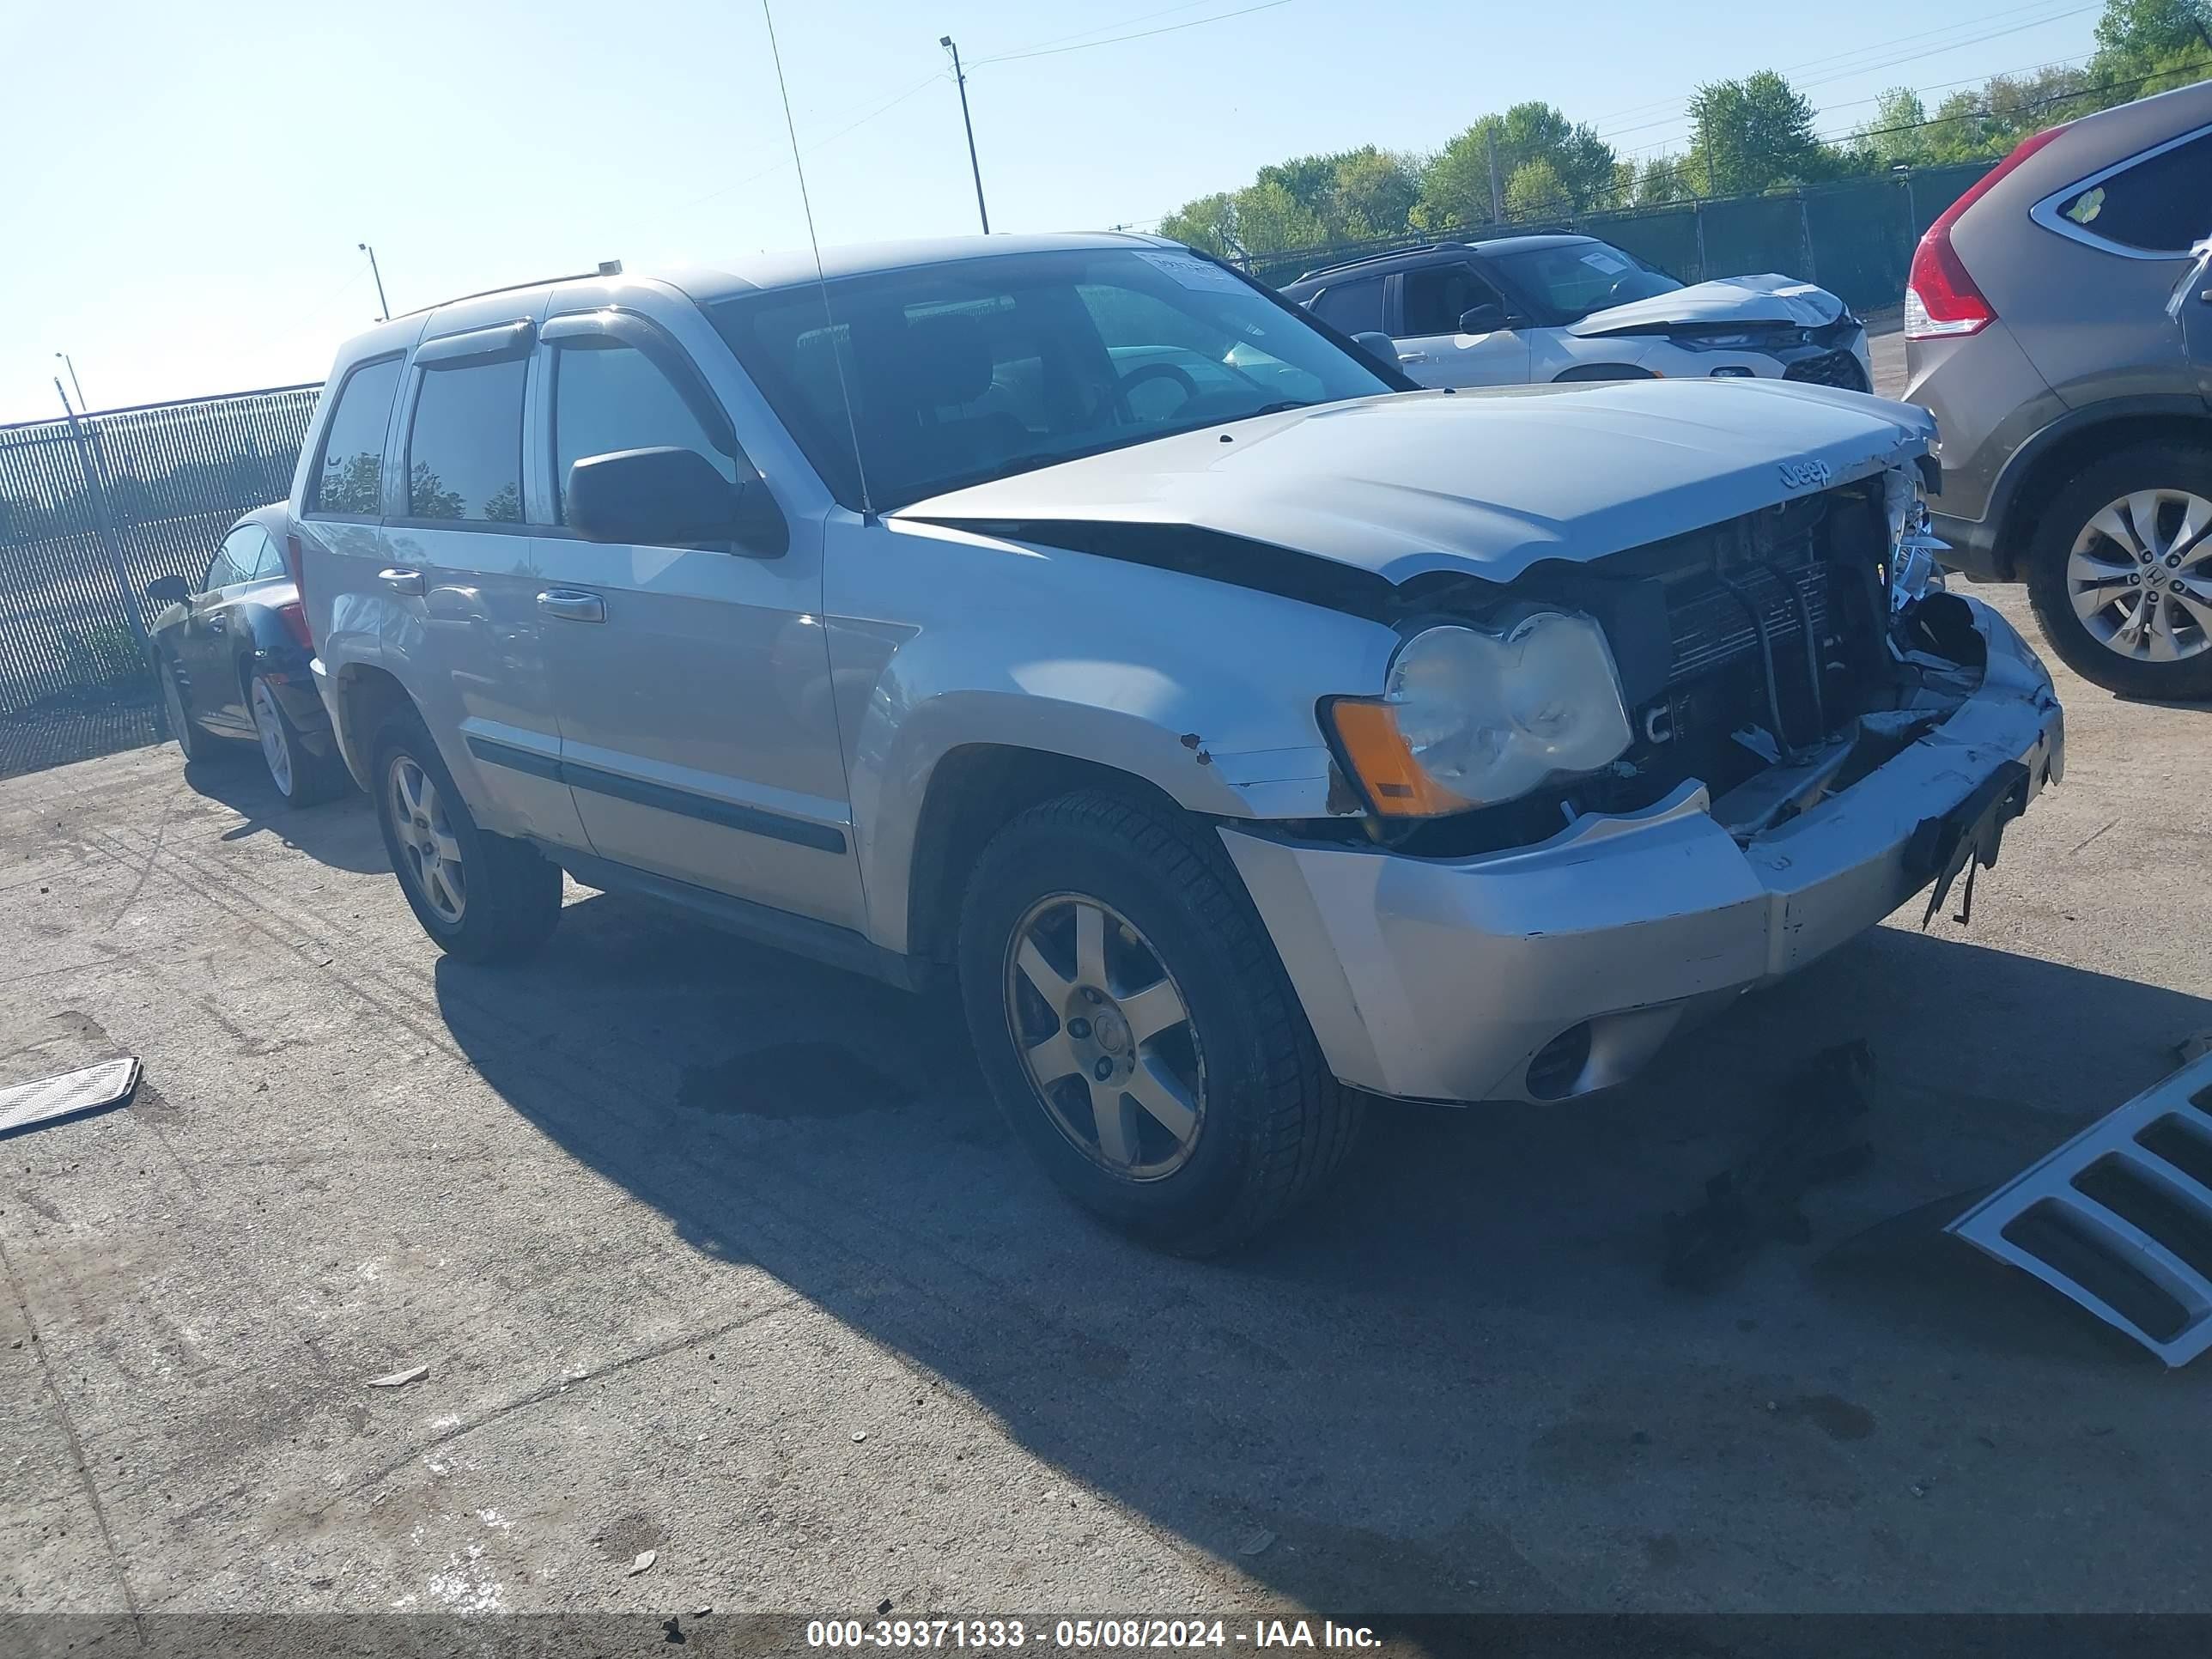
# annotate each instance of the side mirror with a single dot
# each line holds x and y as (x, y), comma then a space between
(168, 590)
(666, 497)
(1483, 320)
(1379, 346)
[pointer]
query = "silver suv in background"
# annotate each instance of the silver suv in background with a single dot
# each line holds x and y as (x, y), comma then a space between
(2058, 324)
(1242, 729)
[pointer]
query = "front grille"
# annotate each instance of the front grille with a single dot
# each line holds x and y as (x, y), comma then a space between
(1711, 626)
(1836, 368)
(1720, 678)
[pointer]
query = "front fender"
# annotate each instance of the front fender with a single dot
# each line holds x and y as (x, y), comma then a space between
(1205, 691)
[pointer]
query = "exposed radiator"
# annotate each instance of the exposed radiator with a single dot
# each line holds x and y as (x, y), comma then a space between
(1711, 627)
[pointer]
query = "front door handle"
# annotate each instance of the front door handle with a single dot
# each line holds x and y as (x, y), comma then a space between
(572, 605)
(402, 581)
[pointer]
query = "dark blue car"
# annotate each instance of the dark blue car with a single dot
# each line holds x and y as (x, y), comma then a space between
(232, 652)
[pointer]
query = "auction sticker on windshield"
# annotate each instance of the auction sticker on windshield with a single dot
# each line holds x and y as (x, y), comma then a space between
(1194, 273)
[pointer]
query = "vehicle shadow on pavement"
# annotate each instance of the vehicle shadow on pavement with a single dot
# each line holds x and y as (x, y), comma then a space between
(1421, 1392)
(340, 833)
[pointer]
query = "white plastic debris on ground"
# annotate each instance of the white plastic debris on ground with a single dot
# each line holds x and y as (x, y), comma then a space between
(2119, 1218)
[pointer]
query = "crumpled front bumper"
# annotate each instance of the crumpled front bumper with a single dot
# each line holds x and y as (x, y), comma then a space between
(1444, 979)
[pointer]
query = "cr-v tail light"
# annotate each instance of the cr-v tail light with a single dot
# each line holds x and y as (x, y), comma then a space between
(295, 614)
(1941, 296)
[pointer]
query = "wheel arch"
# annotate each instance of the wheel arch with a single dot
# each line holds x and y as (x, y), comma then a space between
(1605, 370)
(363, 696)
(975, 791)
(2048, 462)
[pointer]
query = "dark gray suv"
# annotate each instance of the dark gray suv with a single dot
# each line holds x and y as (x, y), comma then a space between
(2058, 324)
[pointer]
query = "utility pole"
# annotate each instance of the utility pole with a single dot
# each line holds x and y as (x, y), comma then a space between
(71, 367)
(961, 78)
(1490, 144)
(382, 304)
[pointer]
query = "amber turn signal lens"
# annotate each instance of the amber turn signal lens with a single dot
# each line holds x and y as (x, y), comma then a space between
(1394, 782)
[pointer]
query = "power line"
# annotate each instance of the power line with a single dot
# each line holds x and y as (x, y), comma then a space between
(1141, 17)
(1877, 45)
(1549, 209)
(1868, 67)
(1630, 153)
(783, 162)
(1141, 34)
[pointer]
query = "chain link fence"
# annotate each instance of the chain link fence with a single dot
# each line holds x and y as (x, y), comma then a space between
(94, 507)
(1855, 237)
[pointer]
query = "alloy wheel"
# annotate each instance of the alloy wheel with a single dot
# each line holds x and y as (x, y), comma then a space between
(427, 841)
(2140, 575)
(268, 724)
(1105, 1035)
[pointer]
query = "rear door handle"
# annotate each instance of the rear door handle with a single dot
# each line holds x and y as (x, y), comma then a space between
(401, 582)
(572, 605)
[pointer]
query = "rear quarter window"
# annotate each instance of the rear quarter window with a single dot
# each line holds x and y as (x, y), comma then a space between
(2160, 204)
(348, 476)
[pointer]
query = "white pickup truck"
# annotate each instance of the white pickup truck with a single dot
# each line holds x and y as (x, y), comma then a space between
(1246, 729)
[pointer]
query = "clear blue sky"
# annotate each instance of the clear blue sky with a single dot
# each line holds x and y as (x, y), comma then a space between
(185, 185)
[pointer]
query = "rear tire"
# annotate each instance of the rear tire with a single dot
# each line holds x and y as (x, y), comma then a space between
(481, 897)
(1229, 1118)
(301, 776)
(2067, 550)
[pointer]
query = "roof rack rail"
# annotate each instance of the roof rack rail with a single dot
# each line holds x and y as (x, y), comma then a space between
(1376, 258)
(607, 268)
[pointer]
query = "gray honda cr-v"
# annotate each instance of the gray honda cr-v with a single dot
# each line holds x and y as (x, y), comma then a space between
(2058, 324)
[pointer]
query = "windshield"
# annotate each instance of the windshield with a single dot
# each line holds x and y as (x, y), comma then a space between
(971, 370)
(1573, 279)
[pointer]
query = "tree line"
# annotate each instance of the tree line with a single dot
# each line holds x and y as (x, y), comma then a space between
(1747, 137)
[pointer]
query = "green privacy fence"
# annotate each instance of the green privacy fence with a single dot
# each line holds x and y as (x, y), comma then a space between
(1854, 237)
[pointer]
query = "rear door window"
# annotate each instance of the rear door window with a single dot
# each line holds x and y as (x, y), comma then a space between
(348, 479)
(465, 444)
(1351, 307)
(2160, 204)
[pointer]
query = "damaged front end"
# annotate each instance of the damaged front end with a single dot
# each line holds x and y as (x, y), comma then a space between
(1775, 660)
(1814, 736)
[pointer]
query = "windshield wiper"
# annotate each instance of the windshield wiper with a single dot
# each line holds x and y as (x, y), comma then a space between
(1286, 405)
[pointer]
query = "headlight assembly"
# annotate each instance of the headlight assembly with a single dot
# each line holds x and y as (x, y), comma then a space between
(1469, 717)
(1914, 548)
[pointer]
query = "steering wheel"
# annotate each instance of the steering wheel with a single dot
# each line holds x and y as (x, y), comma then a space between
(1144, 372)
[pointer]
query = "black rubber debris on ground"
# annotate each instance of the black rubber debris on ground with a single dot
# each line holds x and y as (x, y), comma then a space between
(1816, 1136)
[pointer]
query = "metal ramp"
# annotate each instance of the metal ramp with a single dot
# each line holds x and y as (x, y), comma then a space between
(2119, 1218)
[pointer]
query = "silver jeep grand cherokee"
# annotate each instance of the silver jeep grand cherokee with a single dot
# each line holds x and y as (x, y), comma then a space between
(1247, 730)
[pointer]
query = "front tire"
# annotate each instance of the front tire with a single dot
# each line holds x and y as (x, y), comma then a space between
(301, 777)
(1137, 1028)
(480, 896)
(2119, 572)
(194, 744)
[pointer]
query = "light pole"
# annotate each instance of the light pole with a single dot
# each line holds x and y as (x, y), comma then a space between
(382, 304)
(71, 367)
(974, 166)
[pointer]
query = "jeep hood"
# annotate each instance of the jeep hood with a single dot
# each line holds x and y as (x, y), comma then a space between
(1762, 299)
(1484, 483)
